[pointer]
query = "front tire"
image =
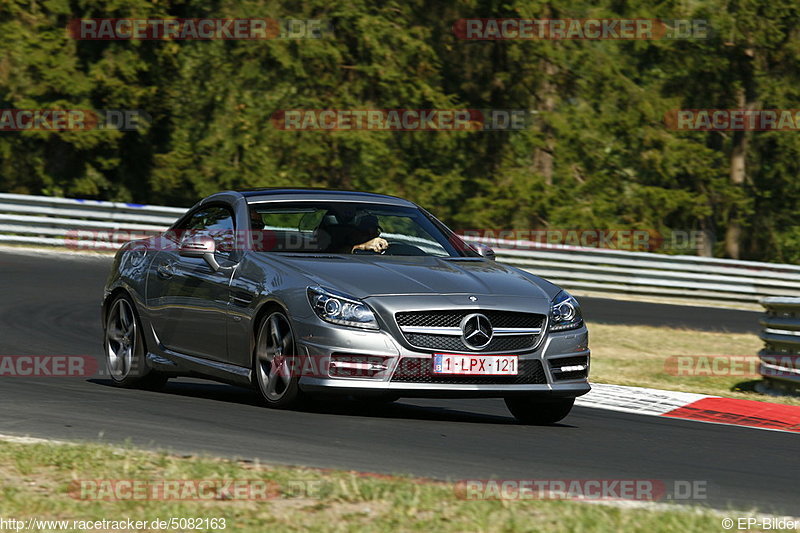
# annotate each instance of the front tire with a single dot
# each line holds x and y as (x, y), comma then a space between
(273, 361)
(539, 412)
(125, 350)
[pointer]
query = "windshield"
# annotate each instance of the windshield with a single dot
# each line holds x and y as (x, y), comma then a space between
(350, 228)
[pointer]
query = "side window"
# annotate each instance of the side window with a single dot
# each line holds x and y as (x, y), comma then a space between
(216, 222)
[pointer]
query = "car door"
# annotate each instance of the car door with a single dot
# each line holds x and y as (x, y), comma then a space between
(187, 299)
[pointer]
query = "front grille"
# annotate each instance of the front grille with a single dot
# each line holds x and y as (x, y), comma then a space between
(452, 319)
(557, 363)
(418, 370)
(451, 343)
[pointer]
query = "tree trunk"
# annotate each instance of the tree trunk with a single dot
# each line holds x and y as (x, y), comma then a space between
(738, 172)
(705, 248)
(745, 99)
(543, 157)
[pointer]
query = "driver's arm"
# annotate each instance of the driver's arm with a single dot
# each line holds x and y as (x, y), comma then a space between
(377, 245)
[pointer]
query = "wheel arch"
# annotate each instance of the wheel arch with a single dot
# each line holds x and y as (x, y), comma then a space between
(121, 290)
(264, 308)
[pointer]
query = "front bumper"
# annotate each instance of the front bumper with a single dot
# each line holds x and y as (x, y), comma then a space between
(317, 339)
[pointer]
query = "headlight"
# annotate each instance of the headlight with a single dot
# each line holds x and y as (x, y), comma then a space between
(565, 313)
(340, 309)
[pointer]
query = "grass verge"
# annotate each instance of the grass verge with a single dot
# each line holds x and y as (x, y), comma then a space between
(37, 480)
(638, 356)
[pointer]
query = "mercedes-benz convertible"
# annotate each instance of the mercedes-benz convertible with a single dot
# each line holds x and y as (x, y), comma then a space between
(306, 292)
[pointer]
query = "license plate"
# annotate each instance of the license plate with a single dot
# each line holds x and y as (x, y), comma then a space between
(475, 365)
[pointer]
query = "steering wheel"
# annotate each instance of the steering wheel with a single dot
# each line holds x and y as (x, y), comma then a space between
(401, 248)
(367, 252)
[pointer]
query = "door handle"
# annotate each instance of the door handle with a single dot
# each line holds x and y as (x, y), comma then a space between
(166, 269)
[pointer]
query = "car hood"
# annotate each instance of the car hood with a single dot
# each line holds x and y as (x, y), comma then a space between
(364, 276)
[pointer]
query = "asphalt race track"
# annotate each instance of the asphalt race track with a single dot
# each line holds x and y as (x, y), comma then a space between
(607, 311)
(49, 305)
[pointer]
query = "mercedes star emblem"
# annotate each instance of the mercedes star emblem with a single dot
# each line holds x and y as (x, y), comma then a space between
(476, 331)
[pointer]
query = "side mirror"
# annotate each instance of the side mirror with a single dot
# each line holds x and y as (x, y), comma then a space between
(201, 248)
(483, 250)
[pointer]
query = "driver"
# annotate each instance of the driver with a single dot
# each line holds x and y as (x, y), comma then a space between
(350, 233)
(368, 228)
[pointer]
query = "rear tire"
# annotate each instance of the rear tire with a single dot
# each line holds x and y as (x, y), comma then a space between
(539, 412)
(272, 362)
(125, 350)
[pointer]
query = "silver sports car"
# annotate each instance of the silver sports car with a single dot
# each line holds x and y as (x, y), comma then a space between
(303, 292)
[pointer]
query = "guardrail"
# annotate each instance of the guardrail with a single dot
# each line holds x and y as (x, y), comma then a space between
(44, 220)
(780, 358)
(642, 273)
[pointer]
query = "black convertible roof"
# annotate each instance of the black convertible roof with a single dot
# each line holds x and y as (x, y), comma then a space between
(327, 194)
(304, 190)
